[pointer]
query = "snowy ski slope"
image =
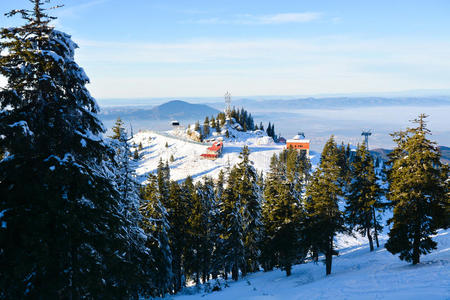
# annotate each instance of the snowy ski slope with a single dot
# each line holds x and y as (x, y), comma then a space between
(357, 274)
(186, 154)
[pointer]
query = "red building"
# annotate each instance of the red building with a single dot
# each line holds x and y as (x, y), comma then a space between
(214, 151)
(298, 144)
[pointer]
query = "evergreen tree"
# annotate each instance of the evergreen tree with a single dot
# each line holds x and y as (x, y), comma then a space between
(363, 196)
(118, 129)
(65, 233)
(283, 212)
(163, 177)
(268, 130)
(418, 191)
(129, 190)
(178, 208)
(197, 126)
(218, 261)
(248, 191)
(272, 131)
(323, 193)
(156, 226)
(217, 126)
(202, 229)
(206, 127)
(136, 154)
(233, 227)
(221, 118)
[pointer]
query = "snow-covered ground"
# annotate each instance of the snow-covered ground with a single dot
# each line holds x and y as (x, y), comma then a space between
(356, 274)
(186, 154)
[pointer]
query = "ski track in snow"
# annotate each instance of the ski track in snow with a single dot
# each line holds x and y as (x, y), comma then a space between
(356, 274)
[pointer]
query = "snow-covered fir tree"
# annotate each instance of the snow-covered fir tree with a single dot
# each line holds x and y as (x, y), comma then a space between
(233, 227)
(283, 212)
(363, 195)
(323, 194)
(64, 233)
(418, 191)
(250, 198)
(156, 226)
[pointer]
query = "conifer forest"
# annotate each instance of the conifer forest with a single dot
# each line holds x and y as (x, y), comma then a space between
(76, 223)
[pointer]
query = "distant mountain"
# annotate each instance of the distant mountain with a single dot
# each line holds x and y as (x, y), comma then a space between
(176, 110)
(335, 102)
(445, 154)
(383, 153)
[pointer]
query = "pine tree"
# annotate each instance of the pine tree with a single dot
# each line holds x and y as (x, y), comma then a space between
(178, 209)
(218, 255)
(249, 197)
(117, 129)
(136, 154)
(283, 213)
(197, 126)
(201, 229)
(272, 131)
(268, 130)
(363, 196)
(130, 198)
(206, 127)
(64, 234)
(323, 193)
(217, 126)
(163, 177)
(233, 227)
(156, 226)
(221, 118)
(418, 191)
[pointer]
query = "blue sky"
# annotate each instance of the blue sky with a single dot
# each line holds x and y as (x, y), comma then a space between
(167, 48)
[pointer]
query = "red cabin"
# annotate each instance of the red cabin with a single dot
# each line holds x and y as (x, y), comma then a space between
(298, 144)
(214, 151)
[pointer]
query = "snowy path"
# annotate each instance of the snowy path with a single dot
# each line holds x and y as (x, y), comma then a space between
(356, 274)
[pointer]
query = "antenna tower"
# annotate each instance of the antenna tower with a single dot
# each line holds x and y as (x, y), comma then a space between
(228, 104)
(366, 134)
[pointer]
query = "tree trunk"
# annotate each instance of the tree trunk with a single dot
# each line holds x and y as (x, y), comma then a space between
(416, 244)
(204, 276)
(375, 227)
(288, 270)
(329, 256)
(328, 261)
(369, 236)
(235, 272)
(315, 255)
(244, 269)
(197, 278)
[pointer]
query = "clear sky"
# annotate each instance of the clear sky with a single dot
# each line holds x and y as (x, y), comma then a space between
(190, 48)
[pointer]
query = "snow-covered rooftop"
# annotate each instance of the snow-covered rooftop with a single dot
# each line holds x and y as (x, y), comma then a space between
(297, 141)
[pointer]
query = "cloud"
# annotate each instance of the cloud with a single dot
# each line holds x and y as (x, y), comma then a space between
(75, 10)
(333, 64)
(249, 19)
(287, 18)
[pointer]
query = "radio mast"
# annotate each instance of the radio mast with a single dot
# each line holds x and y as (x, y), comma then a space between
(366, 134)
(228, 105)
